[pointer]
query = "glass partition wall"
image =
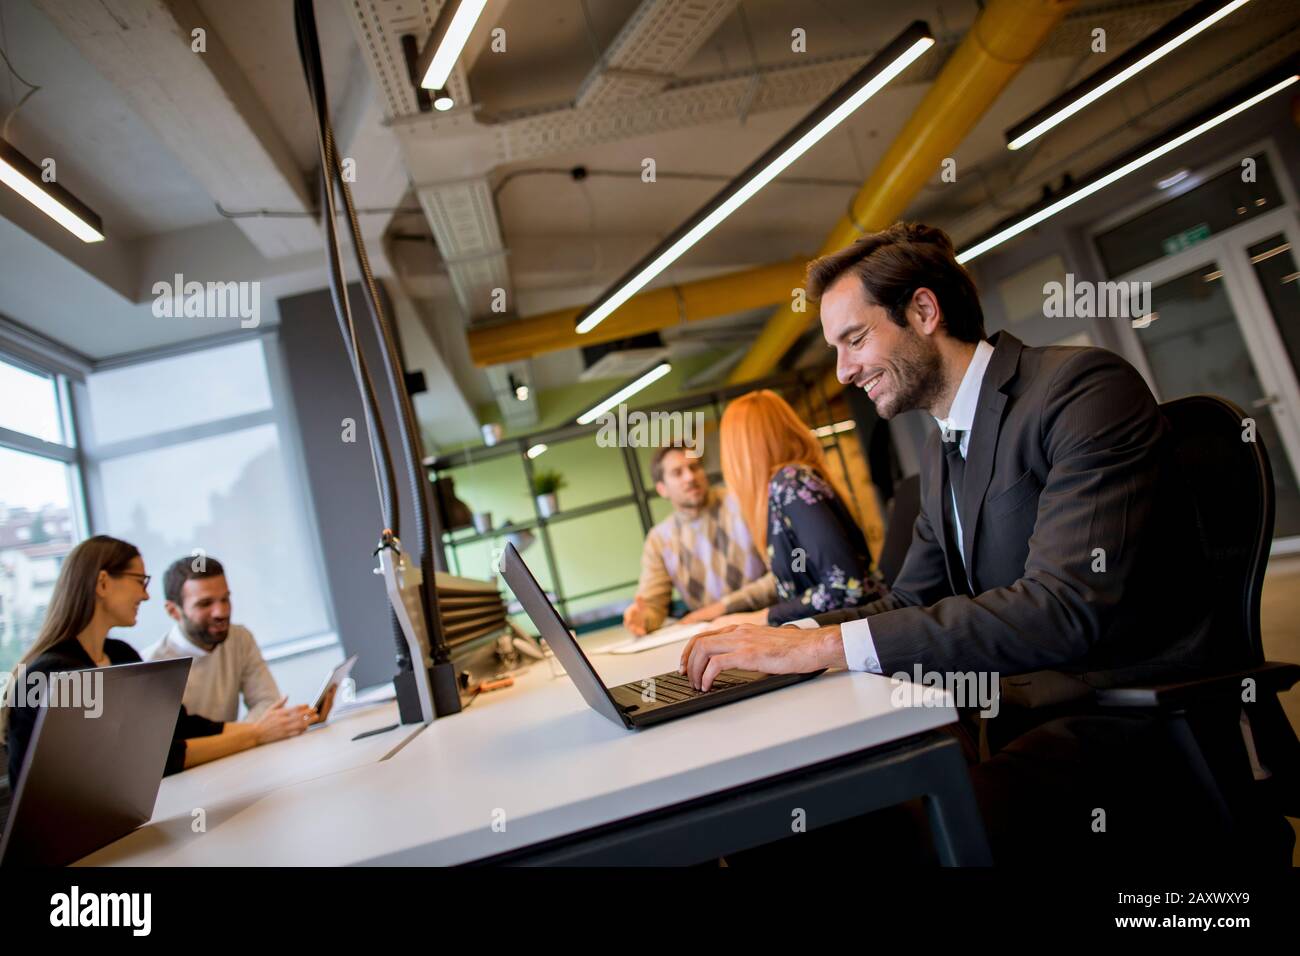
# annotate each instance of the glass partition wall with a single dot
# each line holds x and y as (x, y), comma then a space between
(587, 553)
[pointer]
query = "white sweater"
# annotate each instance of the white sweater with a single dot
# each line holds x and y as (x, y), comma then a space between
(218, 677)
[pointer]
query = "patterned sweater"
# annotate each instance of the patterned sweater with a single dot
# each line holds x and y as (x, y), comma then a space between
(708, 558)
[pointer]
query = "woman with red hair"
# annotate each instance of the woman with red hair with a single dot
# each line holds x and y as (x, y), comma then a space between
(774, 465)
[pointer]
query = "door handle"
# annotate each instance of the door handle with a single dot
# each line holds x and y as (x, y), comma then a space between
(1264, 402)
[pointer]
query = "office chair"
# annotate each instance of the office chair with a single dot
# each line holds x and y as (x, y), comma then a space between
(1237, 746)
(898, 532)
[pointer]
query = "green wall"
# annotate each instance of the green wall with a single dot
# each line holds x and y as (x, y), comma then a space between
(595, 551)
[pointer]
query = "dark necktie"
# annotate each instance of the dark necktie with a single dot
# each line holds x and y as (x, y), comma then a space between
(956, 474)
(956, 463)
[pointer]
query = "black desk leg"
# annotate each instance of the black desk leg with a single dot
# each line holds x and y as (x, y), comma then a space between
(955, 823)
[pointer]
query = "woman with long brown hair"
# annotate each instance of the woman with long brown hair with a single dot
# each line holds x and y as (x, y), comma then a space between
(774, 465)
(101, 585)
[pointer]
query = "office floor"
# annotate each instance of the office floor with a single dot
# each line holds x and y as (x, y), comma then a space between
(1280, 624)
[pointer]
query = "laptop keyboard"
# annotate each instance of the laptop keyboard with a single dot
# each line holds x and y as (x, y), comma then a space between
(673, 687)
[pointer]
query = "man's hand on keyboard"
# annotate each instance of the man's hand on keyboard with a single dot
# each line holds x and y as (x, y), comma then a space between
(771, 650)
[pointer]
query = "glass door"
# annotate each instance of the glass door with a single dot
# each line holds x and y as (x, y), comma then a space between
(1226, 321)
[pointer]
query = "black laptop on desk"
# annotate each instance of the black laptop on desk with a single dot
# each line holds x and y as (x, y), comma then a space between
(86, 781)
(640, 703)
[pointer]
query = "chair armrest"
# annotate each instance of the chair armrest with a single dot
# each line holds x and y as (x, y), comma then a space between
(1039, 689)
(1271, 676)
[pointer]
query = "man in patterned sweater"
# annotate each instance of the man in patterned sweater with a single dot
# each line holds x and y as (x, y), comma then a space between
(702, 549)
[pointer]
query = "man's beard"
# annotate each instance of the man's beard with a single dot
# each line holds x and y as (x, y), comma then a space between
(701, 498)
(198, 634)
(916, 376)
(695, 499)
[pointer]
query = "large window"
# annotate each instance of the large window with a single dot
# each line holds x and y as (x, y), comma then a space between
(41, 515)
(187, 460)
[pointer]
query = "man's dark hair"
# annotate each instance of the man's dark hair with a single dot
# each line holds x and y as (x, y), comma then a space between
(182, 570)
(893, 263)
(657, 459)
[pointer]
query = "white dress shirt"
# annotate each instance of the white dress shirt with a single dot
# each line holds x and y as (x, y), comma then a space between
(859, 648)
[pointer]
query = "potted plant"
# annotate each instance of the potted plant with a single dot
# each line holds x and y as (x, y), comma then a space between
(545, 484)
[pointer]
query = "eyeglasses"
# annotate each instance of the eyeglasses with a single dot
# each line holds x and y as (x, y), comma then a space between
(144, 578)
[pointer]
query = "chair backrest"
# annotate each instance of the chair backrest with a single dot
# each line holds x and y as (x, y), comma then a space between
(898, 533)
(1224, 481)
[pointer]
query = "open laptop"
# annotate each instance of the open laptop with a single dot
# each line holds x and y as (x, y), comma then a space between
(86, 781)
(639, 703)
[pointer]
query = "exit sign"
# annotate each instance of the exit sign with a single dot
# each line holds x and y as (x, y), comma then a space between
(1186, 239)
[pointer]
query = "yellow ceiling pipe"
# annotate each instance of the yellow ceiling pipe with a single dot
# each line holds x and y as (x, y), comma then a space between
(1003, 39)
(647, 312)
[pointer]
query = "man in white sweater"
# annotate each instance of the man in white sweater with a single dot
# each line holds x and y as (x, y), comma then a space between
(227, 662)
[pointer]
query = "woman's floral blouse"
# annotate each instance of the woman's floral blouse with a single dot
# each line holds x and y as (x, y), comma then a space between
(814, 548)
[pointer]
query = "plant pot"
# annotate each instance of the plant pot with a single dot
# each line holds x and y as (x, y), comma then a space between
(547, 505)
(520, 539)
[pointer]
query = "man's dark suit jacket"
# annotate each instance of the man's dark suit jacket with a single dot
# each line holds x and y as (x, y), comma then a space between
(1064, 476)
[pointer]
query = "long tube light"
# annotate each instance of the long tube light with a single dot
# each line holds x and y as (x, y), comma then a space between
(860, 87)
(1123, 68)
(450, 34)
(624, 393)
(826, 431)
(1238, 102)
(24, 177)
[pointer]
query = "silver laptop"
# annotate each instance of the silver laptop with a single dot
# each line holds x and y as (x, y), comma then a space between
(639, 703)
(86, 781)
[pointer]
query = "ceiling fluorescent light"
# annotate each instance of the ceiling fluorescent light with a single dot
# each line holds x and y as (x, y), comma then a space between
(1149, 152)
(1122, 69)
(447, 41)
(536, 450)
(24, 177)
(826, 431)
(1173, 179)
(624, 393)
(864, 84)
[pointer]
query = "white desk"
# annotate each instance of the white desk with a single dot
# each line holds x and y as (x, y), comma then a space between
(519, 767)
(223, 787)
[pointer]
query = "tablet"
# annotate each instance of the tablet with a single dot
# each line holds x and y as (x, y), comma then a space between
(337, 676)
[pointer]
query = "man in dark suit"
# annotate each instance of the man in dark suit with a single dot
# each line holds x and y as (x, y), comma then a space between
(1041, 542)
